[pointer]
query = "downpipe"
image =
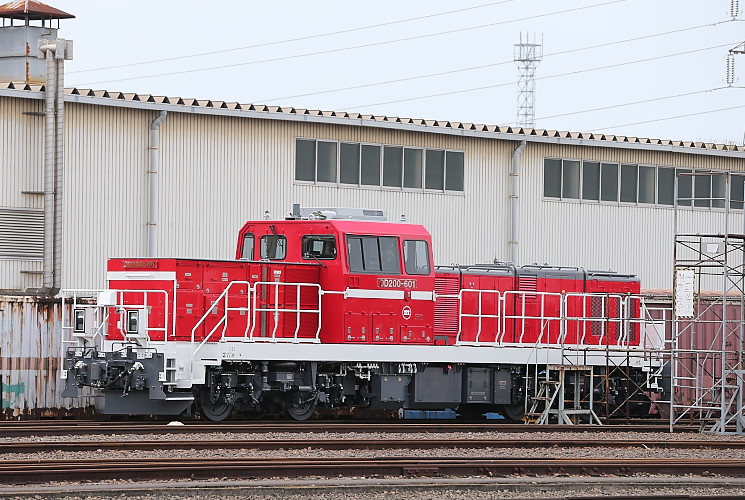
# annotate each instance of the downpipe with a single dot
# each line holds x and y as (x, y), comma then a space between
(152, 222)
(49, 181)
(515, 204)
(59, 172)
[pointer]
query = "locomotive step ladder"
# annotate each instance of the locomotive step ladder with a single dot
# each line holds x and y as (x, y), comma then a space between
(552, 392)
(547, 392)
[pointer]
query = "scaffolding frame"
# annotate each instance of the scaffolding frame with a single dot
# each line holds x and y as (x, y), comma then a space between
(706, 342)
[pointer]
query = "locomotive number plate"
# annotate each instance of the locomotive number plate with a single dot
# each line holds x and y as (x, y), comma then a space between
(396, 283)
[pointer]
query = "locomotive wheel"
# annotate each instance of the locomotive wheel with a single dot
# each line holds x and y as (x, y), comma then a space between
(304, 410)
(216, 412)
(514, 412)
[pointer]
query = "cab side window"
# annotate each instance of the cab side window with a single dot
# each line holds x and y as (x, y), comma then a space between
(374, 254)
(248, 246)
(319, 246)
(273, 247)
(416, 257)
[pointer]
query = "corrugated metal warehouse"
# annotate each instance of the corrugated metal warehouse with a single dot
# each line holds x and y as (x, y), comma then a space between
(486, 193)
(224, 163)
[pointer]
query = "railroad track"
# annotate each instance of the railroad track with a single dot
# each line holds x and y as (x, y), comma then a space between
(58, 428)
(360, 444)
(43, 471)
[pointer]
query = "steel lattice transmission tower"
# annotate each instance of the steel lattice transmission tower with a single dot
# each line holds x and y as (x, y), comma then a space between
(527, 56)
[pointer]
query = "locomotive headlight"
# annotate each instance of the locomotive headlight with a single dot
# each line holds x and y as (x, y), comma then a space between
(132, 322)
(79, 321)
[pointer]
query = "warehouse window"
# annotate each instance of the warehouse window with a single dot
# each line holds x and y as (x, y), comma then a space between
(552, 178)
(392, 166)
(685, 187)
(591, 181)
(647, 185)
(666, 186)
(326, 169)
(454, 169)
(413, 168)
(570, 180)
(629, 183)
(737, 192)
(374, 254)
(608, 182)
(370, 165)
(434, 173)
(376, 165)
(718, 190)
(561, 179)
(349, 163)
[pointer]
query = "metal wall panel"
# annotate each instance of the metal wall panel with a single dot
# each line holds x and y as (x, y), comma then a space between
(105, 207)
(20, 275)
(21, 168)
(22, 152)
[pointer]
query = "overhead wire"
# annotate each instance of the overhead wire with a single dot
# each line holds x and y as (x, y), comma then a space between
(560, 75)
(667, 118)
(634, 103)
(490, 65)
(296, 39)
(354, 47)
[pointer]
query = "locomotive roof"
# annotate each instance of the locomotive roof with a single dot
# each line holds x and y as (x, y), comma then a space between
(352, 226)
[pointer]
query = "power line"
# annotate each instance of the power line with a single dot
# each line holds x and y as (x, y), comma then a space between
(491, 65)
(645, 101)
(577, 72)
(354, 47)
(298, 39)
(688, 115)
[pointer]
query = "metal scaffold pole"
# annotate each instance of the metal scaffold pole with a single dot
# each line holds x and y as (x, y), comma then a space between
(706, 347)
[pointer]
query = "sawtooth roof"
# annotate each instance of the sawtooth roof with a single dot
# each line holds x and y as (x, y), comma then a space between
(444, 126)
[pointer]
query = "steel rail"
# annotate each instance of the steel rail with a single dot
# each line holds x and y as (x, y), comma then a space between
(57, 428)
(359, 444)
(43, 471)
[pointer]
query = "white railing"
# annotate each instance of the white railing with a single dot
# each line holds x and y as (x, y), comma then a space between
(255, 305)
(522, 301)
(272, 311)
(480, 315)
(101, 313)
(539, 318)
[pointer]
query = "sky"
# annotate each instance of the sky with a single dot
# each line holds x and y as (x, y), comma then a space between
(640, 68)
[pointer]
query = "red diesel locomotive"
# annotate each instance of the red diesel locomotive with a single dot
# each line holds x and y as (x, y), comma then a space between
(324, 310)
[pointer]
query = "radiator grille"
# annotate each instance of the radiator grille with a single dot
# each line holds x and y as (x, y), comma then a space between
(446, 308)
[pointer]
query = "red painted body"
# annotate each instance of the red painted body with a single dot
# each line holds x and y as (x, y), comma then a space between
(366, 301)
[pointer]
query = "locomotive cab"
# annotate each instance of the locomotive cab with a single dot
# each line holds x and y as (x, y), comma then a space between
(377, 278)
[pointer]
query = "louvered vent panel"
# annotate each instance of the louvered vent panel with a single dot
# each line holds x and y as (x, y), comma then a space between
(527, 284)
(446, 308)
(21, 233)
